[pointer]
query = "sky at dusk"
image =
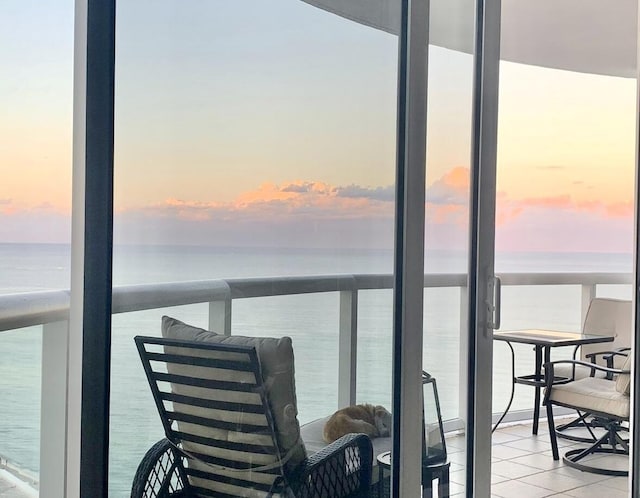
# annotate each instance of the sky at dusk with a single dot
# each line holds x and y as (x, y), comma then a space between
(244, 123)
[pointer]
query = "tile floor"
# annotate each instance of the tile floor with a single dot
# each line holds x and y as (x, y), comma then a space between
(523, 467)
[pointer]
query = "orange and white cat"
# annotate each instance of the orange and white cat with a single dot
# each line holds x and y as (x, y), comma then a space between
(375, 421)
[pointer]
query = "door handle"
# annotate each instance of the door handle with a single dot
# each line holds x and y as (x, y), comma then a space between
(495, 308)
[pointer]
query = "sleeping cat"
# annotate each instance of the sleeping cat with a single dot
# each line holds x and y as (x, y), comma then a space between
(375, 421)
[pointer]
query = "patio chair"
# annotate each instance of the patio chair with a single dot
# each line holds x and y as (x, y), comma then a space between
(228, 408)
(607, 400)
(605, 316)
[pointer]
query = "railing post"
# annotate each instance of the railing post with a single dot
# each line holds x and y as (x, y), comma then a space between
(53, 410)
(347, 347)
(587, 294)
(220, 314)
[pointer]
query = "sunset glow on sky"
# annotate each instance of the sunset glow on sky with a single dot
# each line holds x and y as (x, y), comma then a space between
(276, 125)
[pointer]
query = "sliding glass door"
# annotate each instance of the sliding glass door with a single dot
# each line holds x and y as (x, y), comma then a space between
(254, 196)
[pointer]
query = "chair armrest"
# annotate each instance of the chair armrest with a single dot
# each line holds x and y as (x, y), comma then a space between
(608, 357)
(160, 474)
(549, 369)
(608, 354)
(341, 469)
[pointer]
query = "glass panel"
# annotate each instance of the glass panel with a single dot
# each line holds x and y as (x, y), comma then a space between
(35, 226)
(255, 163)
(447, 221)
(564, 221)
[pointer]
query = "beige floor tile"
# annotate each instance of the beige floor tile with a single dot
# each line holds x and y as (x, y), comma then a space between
(513, 470)
(586, 477)
(554, 481)
(596, 491)
(496, 479)
(525, 431)
(539, 461)
(613, 462)
(532, 445)
(506, 452)
(620, 483)
(522, 430)
(503, 437)
(511, 489)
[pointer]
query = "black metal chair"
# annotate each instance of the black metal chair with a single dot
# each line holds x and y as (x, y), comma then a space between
(221, 435)
(605, 399)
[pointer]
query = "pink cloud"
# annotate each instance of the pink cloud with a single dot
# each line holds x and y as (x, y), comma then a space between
(318, 214)
(273, 203)
(543, 223)
(308, 212)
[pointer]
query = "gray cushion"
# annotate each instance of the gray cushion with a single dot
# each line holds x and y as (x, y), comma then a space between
(277, 365)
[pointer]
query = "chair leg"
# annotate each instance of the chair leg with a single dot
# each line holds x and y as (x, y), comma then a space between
(552, 432)
(612, 438)
(579, 422)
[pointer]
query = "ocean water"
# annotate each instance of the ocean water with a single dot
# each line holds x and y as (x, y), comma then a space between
(311, 320)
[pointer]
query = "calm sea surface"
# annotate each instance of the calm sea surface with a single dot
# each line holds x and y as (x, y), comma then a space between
(311, 320)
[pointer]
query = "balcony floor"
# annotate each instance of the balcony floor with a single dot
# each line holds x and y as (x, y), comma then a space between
(522, 466)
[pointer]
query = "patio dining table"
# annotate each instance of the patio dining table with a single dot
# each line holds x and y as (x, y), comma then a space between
(543, 341)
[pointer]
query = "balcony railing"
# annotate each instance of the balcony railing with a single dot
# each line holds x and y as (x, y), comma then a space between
(51, 310)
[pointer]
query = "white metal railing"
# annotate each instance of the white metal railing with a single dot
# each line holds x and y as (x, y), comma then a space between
(51, 310)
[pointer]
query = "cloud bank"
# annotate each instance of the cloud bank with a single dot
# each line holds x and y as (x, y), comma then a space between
(306, 213)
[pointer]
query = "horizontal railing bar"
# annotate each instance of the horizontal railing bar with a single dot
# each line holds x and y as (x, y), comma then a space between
(151, 296)
(281, 286)
(37, 308)
(29, 309)
(566, 278)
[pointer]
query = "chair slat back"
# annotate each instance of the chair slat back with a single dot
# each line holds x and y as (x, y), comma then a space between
(213, 407)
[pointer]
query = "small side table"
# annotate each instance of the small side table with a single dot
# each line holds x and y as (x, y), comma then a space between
(543, 341)
(438, 471)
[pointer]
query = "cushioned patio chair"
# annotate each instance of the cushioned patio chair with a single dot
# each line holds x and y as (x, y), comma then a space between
(607, 400)
(228, 408)
(605, 316)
